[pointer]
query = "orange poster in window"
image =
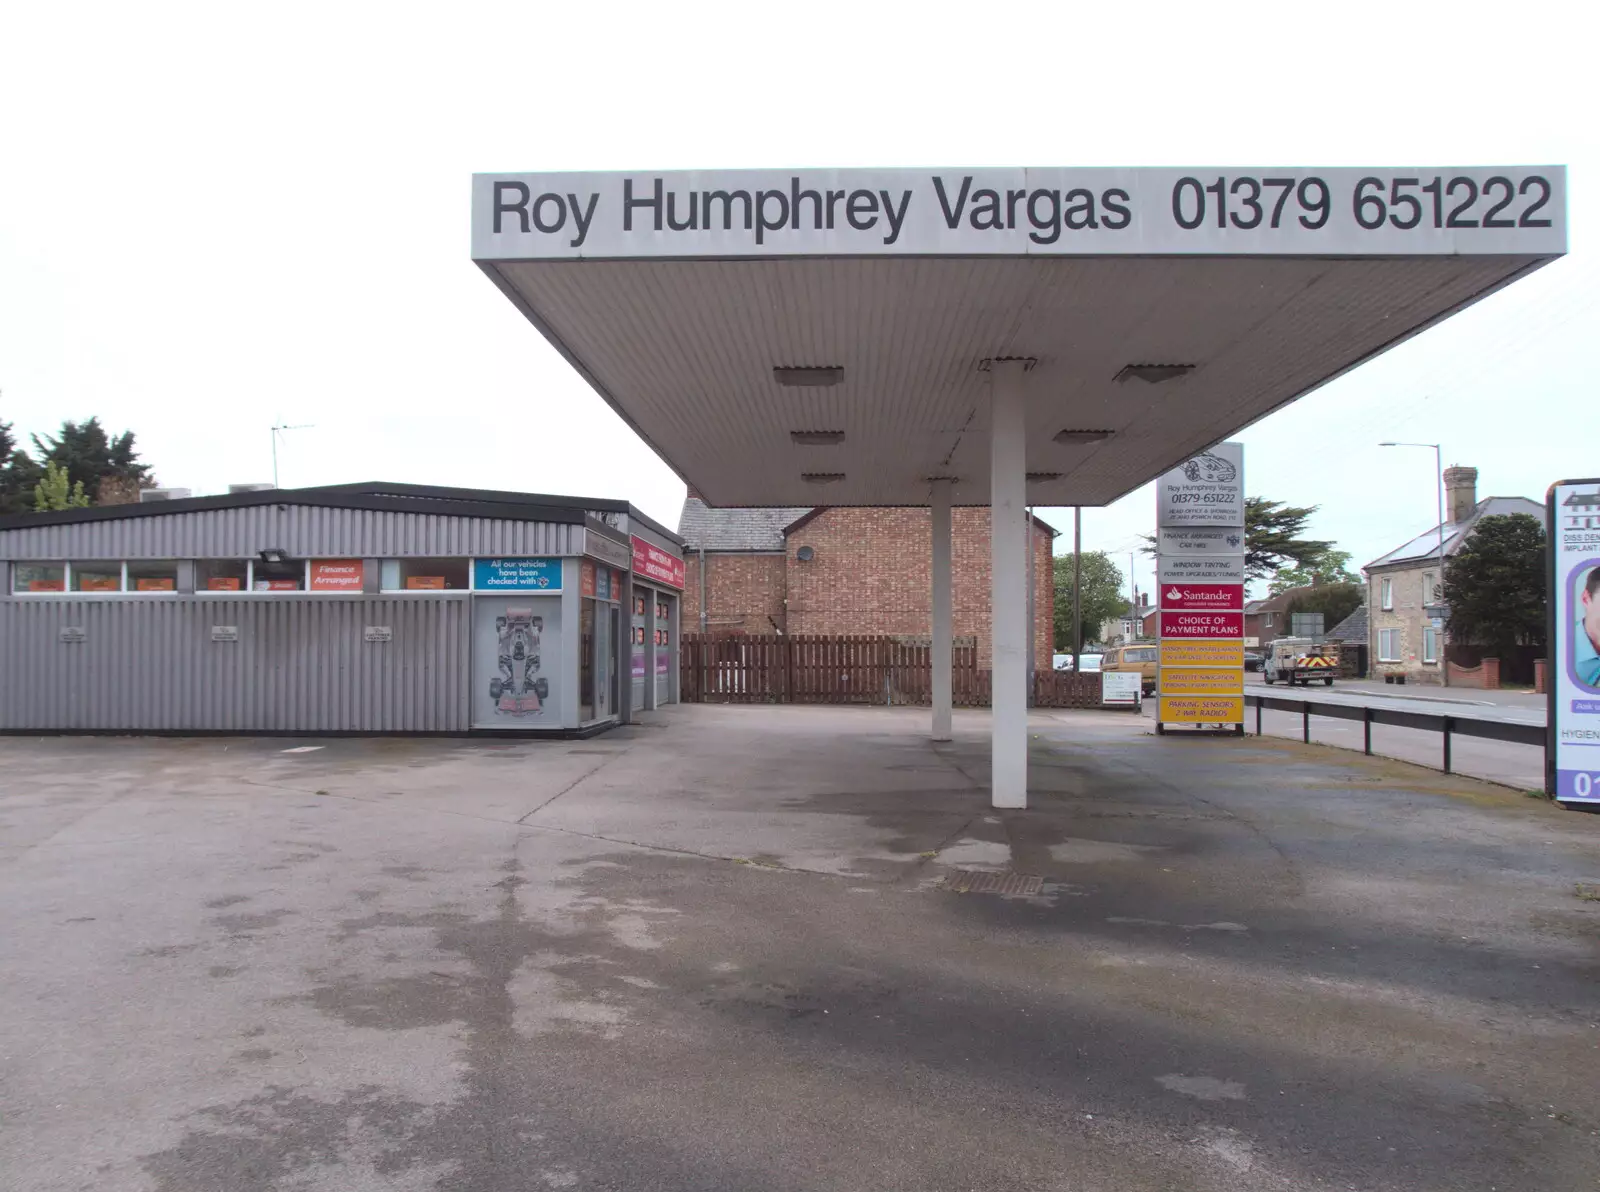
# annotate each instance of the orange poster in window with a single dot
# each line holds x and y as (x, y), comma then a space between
(224, 583)
(99, 583)
(336, 575)
(47, 585)
(586, 578)
(424, 583)
(155, 584)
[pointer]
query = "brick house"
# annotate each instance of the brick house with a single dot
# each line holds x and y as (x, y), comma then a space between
(1265, 621)
(1404, 586)
(866, 570)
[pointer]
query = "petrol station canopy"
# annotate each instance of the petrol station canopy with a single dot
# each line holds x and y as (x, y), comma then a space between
(818, 337)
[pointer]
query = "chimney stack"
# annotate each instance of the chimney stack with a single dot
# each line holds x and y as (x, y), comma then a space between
(1460, 493)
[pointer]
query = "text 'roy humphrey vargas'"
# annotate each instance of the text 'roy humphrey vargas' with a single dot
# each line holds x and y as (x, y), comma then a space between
(766, 214)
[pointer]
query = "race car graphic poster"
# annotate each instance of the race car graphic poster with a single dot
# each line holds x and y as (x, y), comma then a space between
(1574, 710)
(516, 662)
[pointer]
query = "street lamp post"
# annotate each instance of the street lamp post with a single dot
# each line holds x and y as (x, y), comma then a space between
(1438, 493)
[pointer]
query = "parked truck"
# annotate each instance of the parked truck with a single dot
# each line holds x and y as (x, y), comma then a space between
(1300, 660)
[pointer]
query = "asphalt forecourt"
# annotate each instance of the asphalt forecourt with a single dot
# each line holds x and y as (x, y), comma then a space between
(788, 946)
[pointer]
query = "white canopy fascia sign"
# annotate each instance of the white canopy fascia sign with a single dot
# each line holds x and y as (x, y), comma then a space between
(1056, 211)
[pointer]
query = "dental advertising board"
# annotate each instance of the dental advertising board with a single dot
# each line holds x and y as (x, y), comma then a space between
(1573, 753)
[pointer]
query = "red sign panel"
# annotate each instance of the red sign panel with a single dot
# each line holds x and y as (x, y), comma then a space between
(1198, 624)
(1216, 597)
(656, 564)
(333, 575)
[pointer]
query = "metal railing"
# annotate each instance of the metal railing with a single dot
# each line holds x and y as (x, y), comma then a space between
(1449, 725)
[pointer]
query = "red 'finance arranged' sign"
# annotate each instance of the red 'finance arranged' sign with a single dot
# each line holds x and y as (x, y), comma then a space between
(656, 564)
(1202, 624)
(1218, 597)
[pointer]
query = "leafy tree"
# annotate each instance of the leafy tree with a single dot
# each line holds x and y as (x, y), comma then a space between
(18, 474)
(1495, 584)
(107, 467)
(1331, 567)
(57, 491)
(1099, 596)
(1272, 537)
(1334, 601)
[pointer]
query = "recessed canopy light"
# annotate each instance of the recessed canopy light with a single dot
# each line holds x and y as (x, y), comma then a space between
(817, 438)
(1075, 435)
(1042, 477)
(1153, 374)
(808, 375)
(822, 477)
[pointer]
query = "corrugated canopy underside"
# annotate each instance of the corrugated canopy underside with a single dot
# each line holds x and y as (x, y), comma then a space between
(684, 350)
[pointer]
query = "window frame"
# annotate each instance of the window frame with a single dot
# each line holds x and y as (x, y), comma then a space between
(127, 580)
(1386, 593)
(1398, 645)
(1430, 645)
(225, 593)
(66, 579)
(1430, 588)
(429, 593)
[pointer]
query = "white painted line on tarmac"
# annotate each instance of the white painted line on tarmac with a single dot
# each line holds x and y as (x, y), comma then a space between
(304, 749)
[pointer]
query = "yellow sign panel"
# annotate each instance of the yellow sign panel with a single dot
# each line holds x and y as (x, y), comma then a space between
(1202, 653)
(1201, 681)
(1201, 709)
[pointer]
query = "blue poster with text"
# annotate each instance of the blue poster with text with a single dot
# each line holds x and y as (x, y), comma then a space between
(516, 575)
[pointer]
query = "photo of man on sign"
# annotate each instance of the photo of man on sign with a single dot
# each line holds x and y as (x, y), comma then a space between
(1586, 633)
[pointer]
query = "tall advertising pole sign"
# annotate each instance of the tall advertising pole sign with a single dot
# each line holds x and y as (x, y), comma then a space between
(1200, 587)
(1572, 757)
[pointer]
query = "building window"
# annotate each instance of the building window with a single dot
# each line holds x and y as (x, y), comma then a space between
(94, 577)
(1386, 593)
(222, 575)
(31, 578)
(1430, 592)
(1266, 620)
(287, 576)
(1430, 644)
(1388, 643)
(425, 575)
(147, 575)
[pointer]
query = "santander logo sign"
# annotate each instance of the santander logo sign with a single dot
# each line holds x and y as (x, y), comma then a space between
(1216, 597)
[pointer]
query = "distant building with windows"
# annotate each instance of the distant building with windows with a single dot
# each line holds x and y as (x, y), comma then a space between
(1405, 603)
(1581, 511)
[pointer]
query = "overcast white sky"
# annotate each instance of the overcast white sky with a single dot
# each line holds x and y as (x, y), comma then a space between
(214, 217)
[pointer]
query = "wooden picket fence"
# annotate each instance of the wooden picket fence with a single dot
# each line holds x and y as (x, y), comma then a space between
(849, 669)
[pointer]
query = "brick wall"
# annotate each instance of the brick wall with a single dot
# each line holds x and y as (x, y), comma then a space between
(873, 568)
(742, 592)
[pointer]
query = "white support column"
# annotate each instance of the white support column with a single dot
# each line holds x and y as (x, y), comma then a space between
(943, 626)
(1008, 569)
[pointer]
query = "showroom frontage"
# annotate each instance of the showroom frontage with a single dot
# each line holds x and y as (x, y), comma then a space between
(366, 608)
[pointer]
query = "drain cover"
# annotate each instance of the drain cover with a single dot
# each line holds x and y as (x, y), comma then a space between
(970, 881)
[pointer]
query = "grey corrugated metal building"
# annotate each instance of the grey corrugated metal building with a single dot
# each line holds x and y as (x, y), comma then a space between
(361, 608)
